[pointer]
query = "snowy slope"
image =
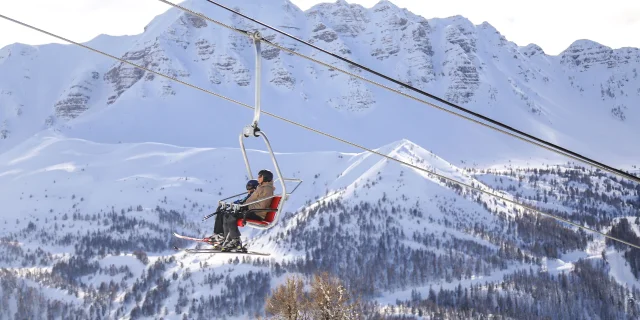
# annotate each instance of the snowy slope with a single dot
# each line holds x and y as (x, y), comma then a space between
(583, 98)
(42, 86)
(45, 185)
(68, 199)
(56, 172)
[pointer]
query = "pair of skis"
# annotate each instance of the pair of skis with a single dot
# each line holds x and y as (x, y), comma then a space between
(206, 240)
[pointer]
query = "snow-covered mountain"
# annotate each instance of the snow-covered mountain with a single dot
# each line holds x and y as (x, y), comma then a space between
(582, 99)
(86, 230)
(100, 162)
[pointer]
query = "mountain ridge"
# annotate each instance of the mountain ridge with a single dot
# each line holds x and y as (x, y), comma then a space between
(464, 73)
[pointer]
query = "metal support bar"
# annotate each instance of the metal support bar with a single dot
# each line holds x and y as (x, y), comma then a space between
(275, 164)
(253, 128)
(256, 113)
(244, 155)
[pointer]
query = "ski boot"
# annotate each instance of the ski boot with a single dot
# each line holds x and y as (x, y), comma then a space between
(216, 241)
(233, 245)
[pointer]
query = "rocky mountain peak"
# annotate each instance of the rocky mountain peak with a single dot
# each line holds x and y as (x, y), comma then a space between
(449, 57)
(584, 54)
(531, 50)
(384, 5)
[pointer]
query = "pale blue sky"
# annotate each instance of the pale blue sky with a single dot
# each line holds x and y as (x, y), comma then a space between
(552, 24)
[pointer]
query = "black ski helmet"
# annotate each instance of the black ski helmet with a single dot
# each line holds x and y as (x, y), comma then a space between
(252, 184)
(266, 175)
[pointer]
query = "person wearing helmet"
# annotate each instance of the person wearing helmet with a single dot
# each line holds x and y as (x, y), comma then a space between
(265, 189)
(251, 187)
(218, 231)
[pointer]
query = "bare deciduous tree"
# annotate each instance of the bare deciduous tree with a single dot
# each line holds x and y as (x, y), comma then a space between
(331, 300)
(328, 299)
(289, 301)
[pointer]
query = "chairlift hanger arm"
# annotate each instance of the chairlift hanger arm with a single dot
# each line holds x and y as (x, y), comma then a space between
(257, 38)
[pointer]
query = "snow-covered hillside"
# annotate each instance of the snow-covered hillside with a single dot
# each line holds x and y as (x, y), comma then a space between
(89, 225)
(582, 99)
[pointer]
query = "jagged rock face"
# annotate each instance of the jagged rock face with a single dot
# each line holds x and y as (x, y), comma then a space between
(626, 56)
(124, 76)
(420, 36)
(461, 33)
(328, 27)
(232, 70)
(281, 76)
(357, 97)
(582, 55)
(155, 57)
(585, 54)
(463, 74)
(419, 65)
(205, 49)
(194, 21)
(76, 99)
(532, 50)
(345, 20)
(385, 43)
(280, 71)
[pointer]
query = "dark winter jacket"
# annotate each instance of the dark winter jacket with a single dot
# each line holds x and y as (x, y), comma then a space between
(243, 200)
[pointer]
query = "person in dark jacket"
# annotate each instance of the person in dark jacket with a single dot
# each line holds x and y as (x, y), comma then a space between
(265, 189)
(218, 231)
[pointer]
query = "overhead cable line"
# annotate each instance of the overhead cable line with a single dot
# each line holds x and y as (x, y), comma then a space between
(332, 137)
(536, 141)
(248, 34)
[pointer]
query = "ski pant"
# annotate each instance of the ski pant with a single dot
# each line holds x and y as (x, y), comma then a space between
(218, 225)
(231, 230)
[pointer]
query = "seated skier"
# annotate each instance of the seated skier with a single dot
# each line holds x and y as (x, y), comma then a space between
(264, 190)
(218, 231)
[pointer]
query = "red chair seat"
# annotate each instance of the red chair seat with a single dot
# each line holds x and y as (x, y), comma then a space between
(275, 201)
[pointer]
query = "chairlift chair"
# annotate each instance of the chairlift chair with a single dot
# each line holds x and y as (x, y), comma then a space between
(277, 200)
